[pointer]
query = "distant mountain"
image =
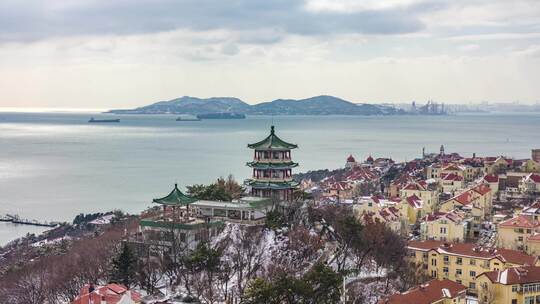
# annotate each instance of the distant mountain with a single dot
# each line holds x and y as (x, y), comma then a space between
(191, 105)
(319, 105)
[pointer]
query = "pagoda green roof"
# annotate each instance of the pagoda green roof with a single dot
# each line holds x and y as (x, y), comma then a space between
(265, 165)
(272, 142)
(257, 184)
(175, 198)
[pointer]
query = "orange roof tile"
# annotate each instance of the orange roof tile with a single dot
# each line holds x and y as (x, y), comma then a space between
(430, 292)
(520, 221)
(515, 275)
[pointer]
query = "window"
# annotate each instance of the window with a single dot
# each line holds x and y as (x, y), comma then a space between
(529, 300)
(514, 301)
(433, 262)
(446, 258)
(472, 262)
(520, 239)
(472, 273)
(472, 285)
(528, 230)
(458, 271)
(433, 273)
(445, 269)
(458, 281)
(459, 261)
(443, 230)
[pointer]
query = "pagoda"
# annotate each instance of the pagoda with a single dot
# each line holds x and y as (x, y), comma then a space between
(272, 168)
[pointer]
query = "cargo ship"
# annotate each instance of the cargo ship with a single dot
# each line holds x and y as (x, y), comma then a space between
(221, 116)
(103, 120)
(188, 119)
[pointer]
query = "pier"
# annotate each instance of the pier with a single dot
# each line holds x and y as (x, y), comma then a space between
(15, 219)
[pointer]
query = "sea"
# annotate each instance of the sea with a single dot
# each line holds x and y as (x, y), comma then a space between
(54, 166)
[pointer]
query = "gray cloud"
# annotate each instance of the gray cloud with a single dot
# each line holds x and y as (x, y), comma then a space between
(37, 19)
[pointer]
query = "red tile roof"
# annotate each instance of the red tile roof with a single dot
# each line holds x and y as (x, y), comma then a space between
(534, 177)
(451, 177)
(430, 292)
(464, 198)
(491, 178)
(424, 245)
(110, 294)
(520, 221)
(351, 159)
(515, 275)
(472, 250)
(414, 201)
(482, 189)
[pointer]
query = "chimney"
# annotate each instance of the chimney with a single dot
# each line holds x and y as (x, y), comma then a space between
(474, 155)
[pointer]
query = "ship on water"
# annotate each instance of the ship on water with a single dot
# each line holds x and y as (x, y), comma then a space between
(93, 120)
(188, 119)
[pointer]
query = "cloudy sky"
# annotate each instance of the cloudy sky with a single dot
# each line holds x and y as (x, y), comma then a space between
(124, 53)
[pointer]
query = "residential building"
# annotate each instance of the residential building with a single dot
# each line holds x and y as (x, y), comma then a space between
(513, 233)
(432, 292)
(493, 181)
(530, 165)
(445, 226)
(411, 208)
(451, 182)
(107, 294)
(514, 285)
(463, 262)
(530, 184)
(427, 192)
(476, 202)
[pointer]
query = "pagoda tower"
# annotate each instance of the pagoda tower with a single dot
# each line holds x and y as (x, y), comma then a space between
(272, 168)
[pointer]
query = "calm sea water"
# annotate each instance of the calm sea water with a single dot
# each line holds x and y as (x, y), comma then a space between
(54, 166)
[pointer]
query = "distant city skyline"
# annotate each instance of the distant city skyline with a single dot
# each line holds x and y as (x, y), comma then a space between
(124, 54)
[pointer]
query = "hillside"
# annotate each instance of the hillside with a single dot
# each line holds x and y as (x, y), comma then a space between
(191, 105)
(318, 105)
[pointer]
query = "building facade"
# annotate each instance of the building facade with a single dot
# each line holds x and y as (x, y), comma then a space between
(463, 262)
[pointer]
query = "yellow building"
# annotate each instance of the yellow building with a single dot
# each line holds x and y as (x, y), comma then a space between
(428, 193)
(463, 262)
(530, 166)
(530, 183)
(514, 233)
(493, 182)
(445, 226)
(497, 165)
(433, 171)
(411, 208)
(510, 286)
(432, 292)
(532, 245)
(451, 182)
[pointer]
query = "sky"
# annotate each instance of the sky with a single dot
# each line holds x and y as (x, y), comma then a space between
(127, 53)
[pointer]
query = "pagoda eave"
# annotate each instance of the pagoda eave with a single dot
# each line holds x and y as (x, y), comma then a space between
(257, 184)
(267, 165)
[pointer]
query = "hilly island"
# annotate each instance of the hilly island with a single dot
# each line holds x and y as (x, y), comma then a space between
(318, 105)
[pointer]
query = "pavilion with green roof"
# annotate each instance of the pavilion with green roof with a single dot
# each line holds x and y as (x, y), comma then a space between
(175, 198)
(272, 168)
